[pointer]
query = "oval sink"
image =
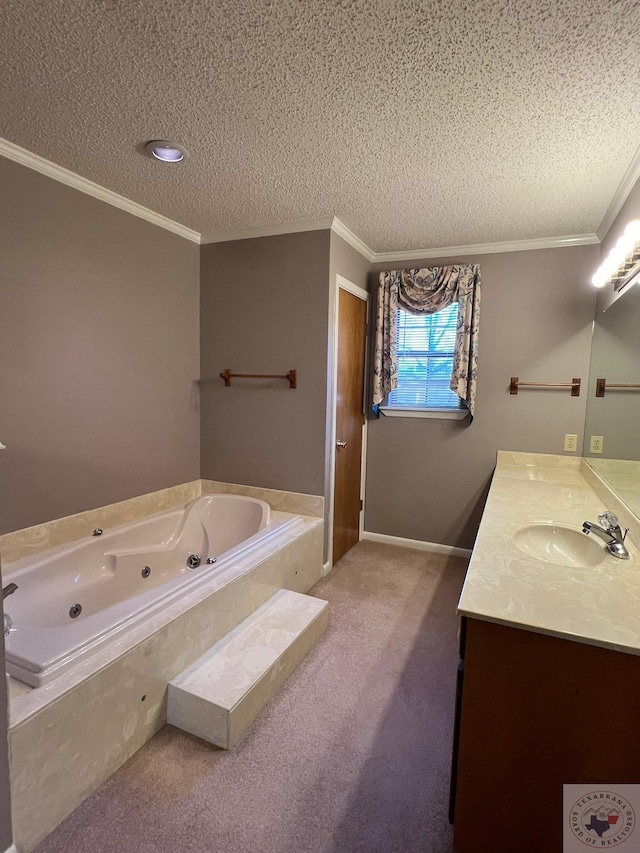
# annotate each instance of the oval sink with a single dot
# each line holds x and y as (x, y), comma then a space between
(564, 546)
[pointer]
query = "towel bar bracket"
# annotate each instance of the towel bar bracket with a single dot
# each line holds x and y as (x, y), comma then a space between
(602, 385)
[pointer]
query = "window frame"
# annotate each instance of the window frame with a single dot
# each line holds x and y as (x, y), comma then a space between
(438, 412)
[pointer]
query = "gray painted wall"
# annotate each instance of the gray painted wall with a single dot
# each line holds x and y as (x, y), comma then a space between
(348, 263)
(428, 479)
(98, 356)
(265, 309)
(98, 352)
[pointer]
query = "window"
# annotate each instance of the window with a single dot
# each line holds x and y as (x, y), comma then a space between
(426, 344)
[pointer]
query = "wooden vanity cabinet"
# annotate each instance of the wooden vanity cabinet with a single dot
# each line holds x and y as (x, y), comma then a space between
(537, 712)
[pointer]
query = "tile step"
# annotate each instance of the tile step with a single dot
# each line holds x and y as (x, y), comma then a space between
(220, 695)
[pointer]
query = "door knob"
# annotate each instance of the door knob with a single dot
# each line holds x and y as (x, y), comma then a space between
(341, 443)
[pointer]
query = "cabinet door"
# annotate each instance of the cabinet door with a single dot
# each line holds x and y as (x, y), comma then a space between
(538, 712)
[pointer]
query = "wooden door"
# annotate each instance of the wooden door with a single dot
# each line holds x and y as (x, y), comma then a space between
(352, 334)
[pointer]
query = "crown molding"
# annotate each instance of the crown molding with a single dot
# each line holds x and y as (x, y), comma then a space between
(352, 239)
(65, 176)
(489, 248)
(330, 223)
(268, 231)
(626, 185)
(58, 173)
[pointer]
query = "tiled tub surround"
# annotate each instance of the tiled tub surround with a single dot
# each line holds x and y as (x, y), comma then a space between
(70, 735)
(220, 695)
(312, 505)
(598, 605)
(50, 534)
(120, 577)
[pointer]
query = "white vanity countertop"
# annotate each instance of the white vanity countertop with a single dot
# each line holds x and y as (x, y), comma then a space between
(599, 605)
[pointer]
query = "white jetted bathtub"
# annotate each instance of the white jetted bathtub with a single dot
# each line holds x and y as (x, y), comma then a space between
(74, 598)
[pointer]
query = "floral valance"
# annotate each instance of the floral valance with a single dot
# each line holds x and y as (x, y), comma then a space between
(425, 291)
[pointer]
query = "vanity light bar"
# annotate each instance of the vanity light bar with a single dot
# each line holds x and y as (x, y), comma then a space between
(623, 261)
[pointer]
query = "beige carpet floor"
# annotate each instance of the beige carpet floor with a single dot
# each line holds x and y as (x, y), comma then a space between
(351, 756)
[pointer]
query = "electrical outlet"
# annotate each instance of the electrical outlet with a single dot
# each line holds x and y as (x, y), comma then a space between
(571, 443)
(596, 444)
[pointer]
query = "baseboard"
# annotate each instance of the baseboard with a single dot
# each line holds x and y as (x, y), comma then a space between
(416, 544)
(326, 568)
(12, 849)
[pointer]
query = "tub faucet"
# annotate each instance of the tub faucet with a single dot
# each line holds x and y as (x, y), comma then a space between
(610, 532)
(9, 589)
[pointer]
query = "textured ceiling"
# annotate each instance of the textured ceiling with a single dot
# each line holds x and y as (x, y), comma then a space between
(418, 124)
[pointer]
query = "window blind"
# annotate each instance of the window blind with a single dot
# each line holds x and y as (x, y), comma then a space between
(426, 344)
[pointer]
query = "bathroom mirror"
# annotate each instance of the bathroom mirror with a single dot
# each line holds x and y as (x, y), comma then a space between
(614, 419)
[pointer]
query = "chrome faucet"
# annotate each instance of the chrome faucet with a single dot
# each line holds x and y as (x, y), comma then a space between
(9, 589)
(610, 532)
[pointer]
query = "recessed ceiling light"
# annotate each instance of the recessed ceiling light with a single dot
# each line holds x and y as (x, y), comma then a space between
(166, 152)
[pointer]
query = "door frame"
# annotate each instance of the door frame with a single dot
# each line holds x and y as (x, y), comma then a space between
(342, 283)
